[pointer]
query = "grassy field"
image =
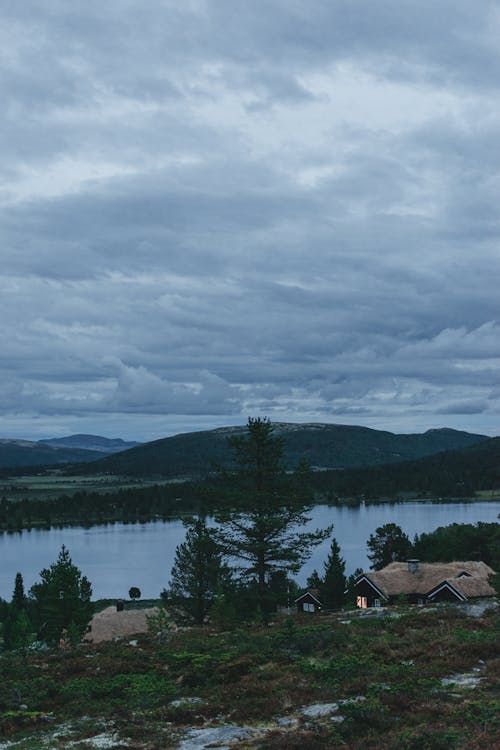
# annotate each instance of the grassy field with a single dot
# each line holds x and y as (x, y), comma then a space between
(384, 676)
(55, 484)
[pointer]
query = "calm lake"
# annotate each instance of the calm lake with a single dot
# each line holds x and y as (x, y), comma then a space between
(118, 556)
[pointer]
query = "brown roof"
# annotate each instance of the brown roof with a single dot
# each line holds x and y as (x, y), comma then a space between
(395, 578)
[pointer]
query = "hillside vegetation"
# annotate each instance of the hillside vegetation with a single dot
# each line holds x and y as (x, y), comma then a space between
(458, 473)
(323, 446)
(379, 678)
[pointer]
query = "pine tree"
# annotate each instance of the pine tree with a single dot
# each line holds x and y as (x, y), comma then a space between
(198, 571)
(334, 581)
(314, 581)
(263, 534)
(388, 544)
(61, 599)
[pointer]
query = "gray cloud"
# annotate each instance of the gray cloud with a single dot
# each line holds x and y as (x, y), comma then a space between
(216, 209)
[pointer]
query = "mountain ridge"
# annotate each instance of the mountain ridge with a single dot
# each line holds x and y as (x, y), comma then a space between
(18, 453)
(322, 445)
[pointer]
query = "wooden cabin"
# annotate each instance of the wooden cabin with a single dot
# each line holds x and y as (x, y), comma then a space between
(309, 601)
(424, 583)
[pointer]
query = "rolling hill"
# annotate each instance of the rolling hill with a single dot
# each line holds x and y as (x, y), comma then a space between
(18, 453)
(323, 446)
(94, 443)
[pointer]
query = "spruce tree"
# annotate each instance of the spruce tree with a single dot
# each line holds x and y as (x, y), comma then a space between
(61, 599)
(17, 628)
(334, 581)
(18, 597)
(198, 572)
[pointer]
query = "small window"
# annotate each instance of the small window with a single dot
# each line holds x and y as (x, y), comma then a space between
(420, 602)
(308, 607)
(377, 603)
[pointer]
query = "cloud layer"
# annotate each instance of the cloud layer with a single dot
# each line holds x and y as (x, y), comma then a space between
(220, 208)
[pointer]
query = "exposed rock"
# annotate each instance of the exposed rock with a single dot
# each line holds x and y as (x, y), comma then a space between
(319, 709)
(479, 607)
(104, 741)
(186, 702)
(287, 721)
(469, 680)
(199, 739)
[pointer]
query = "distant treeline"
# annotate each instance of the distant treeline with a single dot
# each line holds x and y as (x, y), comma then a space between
(454, 474)
(92, 508)
(447, 475)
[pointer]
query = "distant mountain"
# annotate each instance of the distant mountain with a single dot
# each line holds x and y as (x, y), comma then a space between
(324, 446)
(91, 443)
(454, 473)
(16, 453)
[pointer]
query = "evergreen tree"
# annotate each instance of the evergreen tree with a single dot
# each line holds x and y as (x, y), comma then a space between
(198, 571)
(314, 581)
(334, 581)
(18, 597)
(18, 631)
(269, 507)
(61, 600)
(17, 628)
(388, 544)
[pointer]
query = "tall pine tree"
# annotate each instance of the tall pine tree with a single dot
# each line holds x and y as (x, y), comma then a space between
(269, 507)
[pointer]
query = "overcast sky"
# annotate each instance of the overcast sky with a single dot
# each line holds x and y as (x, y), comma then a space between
(219, 208)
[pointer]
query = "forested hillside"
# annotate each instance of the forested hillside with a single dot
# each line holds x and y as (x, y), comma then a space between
(323, 446)
(457, 473)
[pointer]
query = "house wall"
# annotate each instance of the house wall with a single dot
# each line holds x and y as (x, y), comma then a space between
(307, 599)
(445, 595)
(364, 589)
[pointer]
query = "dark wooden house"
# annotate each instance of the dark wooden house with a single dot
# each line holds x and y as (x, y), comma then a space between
(424, 583)
(309, 601)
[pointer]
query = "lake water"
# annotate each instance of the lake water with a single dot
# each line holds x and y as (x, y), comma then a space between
(117, 556)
